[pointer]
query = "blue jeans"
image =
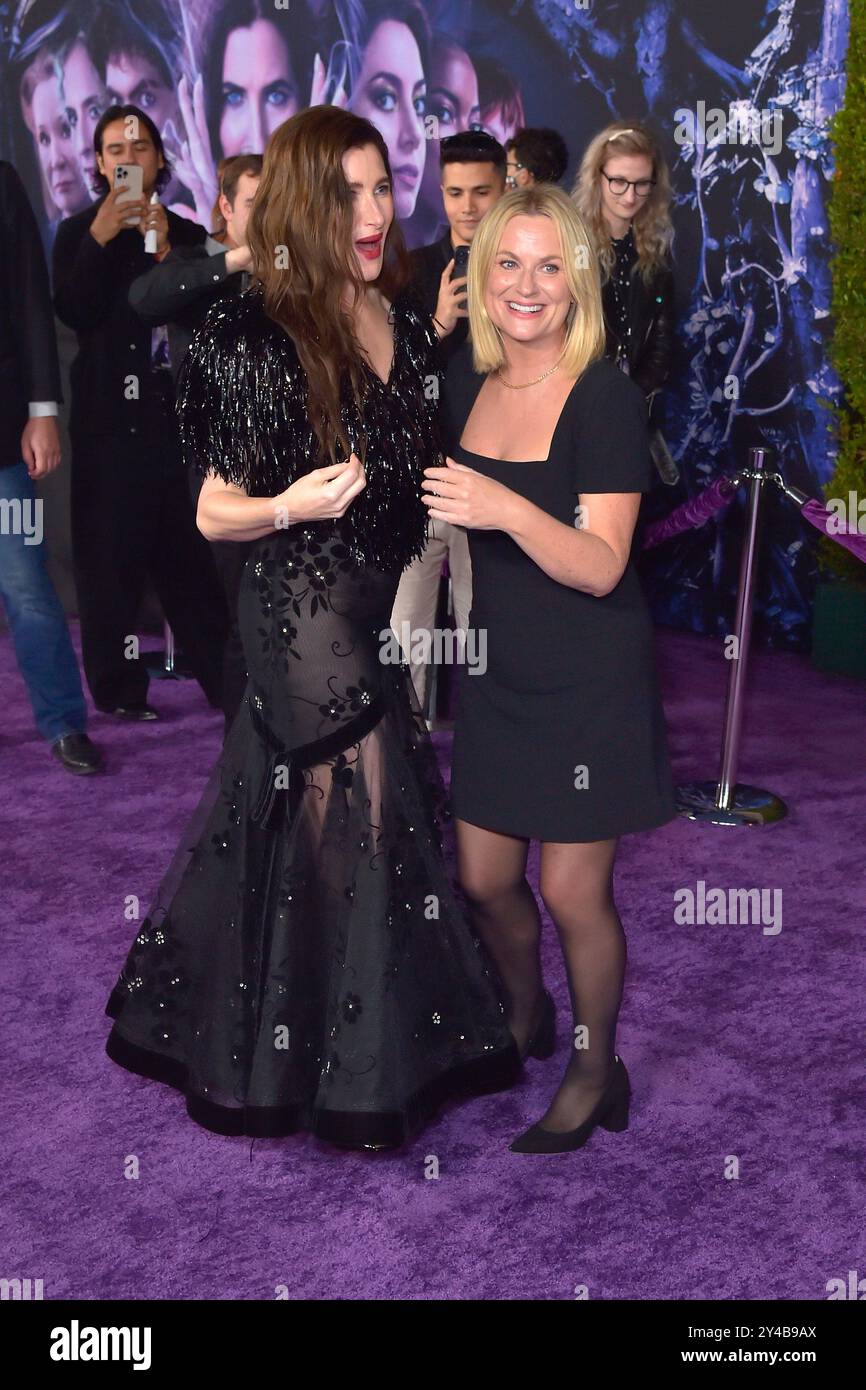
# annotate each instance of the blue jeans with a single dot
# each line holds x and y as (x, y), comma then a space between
(37, 622)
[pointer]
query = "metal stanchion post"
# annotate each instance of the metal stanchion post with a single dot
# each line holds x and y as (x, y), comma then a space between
(168, 638)
(166, 664)
(725, 802)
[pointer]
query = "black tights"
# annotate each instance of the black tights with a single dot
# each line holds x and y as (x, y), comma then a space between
(576, 887)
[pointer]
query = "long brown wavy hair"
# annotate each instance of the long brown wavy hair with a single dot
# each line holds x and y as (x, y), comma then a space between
(653, 229)
(300, 239)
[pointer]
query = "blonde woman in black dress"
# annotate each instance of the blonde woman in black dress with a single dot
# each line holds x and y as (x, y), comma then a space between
(562, 738)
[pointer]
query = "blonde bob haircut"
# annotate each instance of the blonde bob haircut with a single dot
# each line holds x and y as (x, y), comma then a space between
(585, 339)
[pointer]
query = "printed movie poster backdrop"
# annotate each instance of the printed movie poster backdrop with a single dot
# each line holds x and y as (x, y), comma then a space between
(740, 92)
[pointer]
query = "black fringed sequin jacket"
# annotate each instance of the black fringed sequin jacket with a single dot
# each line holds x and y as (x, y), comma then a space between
(242, 407)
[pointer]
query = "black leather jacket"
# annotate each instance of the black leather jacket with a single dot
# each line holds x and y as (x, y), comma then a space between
(651, 313)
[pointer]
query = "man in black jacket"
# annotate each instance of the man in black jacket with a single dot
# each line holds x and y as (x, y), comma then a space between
(132, 515)
(29, 449)
(179, 290)
(178, 293)
(473, 179)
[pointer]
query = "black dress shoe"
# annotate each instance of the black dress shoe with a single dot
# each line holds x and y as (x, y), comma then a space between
(77, 754)
(135, 712)
(611, 1113)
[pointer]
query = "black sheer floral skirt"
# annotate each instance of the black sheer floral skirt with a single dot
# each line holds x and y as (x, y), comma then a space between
(306, 964)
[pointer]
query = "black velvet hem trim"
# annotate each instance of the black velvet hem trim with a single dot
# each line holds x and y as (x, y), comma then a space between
(348, 1129)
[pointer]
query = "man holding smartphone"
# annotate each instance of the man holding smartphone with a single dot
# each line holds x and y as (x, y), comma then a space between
(132, 514)
(473, 179)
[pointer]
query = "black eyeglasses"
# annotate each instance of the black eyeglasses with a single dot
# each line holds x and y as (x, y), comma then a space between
(618, 186)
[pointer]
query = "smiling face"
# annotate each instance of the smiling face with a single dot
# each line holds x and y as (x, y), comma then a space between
(85, 98)
(620, 209)
(527, 295)
(127, 141)
(259, 88)
(55, 140)
(390, 93)
(372, 208)
(468, 190)
(133, 80)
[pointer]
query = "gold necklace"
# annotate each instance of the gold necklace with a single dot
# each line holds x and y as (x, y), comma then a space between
(521, 386)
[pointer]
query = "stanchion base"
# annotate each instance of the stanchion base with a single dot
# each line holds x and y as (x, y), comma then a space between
(749, 805)
(154, 662)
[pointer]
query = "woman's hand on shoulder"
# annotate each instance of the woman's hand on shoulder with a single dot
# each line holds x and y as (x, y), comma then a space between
(322, 494)
(464, 497)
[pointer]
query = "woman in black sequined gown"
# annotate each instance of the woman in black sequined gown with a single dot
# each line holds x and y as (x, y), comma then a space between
(305, 964)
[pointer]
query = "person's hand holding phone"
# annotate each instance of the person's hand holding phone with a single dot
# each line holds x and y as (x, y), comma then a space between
(114, 213)
(451, 304)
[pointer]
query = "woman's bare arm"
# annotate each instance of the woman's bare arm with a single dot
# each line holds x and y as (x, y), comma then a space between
(226, 513)
(592, 557)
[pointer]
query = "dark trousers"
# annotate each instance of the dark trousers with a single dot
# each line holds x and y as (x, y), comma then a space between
(132, 519)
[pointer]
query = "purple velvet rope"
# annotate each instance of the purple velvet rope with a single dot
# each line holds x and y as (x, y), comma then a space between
(693, 513)
(819, 516)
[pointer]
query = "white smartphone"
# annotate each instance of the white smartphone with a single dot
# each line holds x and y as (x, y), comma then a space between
(129, 177)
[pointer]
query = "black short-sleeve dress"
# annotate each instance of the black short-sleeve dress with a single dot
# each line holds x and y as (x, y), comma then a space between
(560, 732)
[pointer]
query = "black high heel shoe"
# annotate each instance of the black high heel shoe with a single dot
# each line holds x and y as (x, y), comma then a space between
(542, 1042)
(611, 1113)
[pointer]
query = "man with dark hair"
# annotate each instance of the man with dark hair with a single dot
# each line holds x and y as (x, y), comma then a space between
(536, 154)
(473, 179)
(178, 293)
(132, 514)
(30, 449)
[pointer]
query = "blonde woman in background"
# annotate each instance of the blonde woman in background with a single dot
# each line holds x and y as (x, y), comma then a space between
(561, 738)
(623, 195)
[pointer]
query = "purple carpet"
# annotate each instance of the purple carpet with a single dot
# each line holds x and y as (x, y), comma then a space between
(744, 1045)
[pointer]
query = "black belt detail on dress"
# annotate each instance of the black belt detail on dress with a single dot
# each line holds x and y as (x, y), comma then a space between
(305, 755)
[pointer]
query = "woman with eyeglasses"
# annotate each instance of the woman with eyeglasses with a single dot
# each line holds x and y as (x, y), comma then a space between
(623, 194)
